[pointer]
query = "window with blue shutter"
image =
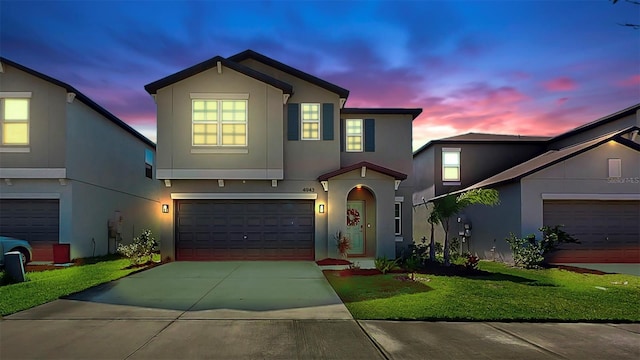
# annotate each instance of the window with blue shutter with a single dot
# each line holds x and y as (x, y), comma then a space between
(293, 121)
(369, 135)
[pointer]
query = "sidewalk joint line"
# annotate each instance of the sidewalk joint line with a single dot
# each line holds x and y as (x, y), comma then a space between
(527, 341)
(374, 342)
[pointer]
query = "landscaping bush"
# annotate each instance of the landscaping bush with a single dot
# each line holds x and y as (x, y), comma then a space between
(141, 249)
(529, 252)
(384, 265)
(343, 244)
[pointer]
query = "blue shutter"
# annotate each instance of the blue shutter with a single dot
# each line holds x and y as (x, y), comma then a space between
(293, 122)
(327, 121)
(369, 135)
(342, 139)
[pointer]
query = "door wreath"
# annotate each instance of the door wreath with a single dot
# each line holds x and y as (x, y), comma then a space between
(353, 217)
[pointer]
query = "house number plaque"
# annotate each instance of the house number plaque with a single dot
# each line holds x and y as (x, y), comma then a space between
(309, 189)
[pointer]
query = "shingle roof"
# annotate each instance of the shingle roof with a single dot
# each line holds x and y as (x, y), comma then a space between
(414, 112)
(153, 87)
(609, 118)
(549, 158)
(250, 54)
(381, 169)
(82, 97)
(480, 138)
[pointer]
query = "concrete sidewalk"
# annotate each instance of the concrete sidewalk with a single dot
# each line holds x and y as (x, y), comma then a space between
(284, 310)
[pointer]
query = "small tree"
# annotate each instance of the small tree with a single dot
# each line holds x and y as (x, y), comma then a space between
(446, 207)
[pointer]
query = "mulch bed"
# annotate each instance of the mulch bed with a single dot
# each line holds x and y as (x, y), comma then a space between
(329, 261)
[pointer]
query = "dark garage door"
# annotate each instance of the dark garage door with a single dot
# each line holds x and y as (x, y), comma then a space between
(609, 231)
(244, 229)
(34, 220)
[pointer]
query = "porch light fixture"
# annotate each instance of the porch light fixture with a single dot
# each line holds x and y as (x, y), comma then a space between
(165, 208)
(321, 208)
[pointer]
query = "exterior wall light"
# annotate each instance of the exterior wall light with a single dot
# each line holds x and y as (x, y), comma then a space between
(165, 208)
(321, 208)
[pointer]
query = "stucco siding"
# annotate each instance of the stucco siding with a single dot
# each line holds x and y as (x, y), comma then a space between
(47, 111)
(101, 153)
(491, 225)
(583, 174)
(92, 208)
(264, 126)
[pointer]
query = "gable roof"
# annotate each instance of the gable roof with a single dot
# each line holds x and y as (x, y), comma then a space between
(603, 120)
(381, 169)
(483, 138)
(414, 112)
(250, 54)
(153, 87)
(82, 97)
(550, 158)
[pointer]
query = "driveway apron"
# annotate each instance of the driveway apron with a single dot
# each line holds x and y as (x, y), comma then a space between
(195, 310)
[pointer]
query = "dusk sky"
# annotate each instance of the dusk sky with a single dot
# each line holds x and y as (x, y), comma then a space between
(504, 67)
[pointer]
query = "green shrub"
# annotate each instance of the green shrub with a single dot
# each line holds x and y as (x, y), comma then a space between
(412, 264)
(529, 252)
(384, 265)
(141, 249)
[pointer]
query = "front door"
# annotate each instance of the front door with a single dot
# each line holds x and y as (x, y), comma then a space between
(355, 226)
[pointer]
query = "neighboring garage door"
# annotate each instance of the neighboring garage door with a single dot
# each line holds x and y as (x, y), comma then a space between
(34, 220)
(244, 230)
(609, 231)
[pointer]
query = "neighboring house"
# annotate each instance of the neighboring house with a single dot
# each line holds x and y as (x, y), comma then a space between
(263, 161)
(71, 172)
(586, 179)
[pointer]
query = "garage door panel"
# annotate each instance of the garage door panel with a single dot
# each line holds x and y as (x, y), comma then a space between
(34, 220)
(609, 231)
(246, 229)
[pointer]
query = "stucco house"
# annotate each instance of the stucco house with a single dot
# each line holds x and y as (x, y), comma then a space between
(586, 179)
(71, 172)
(260, 160)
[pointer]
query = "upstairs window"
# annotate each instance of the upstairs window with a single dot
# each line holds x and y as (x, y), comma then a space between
(15, 121)
(451, 165)
(398, 218)
(353, 133)
(219, 122)
(148, 163)
(310, 115)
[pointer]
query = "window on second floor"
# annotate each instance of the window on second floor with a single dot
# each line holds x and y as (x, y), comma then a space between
(148, 163)
(15, 121)
(398, 218)
(310, 115)
(219, 122)
(451, 164)
(353, 133)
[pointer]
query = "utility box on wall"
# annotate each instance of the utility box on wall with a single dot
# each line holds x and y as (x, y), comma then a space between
(61, 253)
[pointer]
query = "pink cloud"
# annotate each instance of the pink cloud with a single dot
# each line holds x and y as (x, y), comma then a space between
(560, 84)
(561, 101)
(633, 80)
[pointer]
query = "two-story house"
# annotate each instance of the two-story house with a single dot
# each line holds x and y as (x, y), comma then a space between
(586, 179)
(260, 160)
(71, 172)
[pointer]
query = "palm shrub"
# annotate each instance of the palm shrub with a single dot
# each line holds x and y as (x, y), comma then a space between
(384, 265)
(141, 249)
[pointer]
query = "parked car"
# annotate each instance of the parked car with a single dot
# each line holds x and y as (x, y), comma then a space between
(8, 244)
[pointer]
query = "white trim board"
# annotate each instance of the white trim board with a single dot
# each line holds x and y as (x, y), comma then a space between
(590, 196)
(4, 195)
(33, 173)
(214, 174)
(244, 196)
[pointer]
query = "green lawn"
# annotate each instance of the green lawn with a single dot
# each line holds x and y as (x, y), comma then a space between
(45, 286)
(507, 294)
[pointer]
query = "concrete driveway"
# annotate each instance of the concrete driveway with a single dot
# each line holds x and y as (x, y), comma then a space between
(272, 310)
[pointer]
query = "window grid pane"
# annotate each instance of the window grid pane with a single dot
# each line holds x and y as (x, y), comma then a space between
(451, 174)
(310, 121)
(398, 218)
(353, 133)
(354, 143)
(219, 122)
(16, 109)
(451, 165)
(15, 133)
